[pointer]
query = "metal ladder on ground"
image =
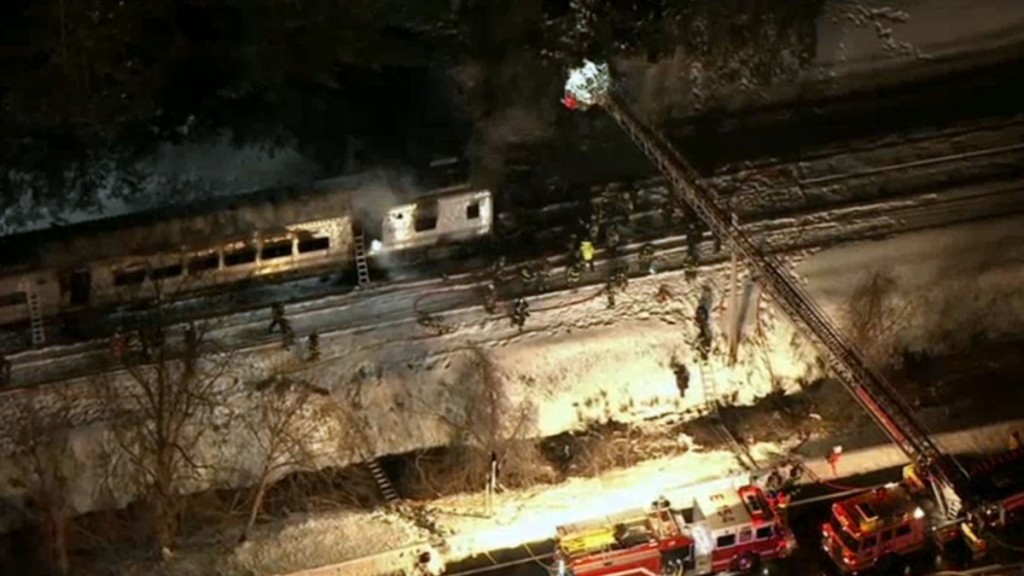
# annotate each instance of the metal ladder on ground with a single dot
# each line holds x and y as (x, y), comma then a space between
(387, 489)
(362, 266)
(35, 314)
(707, 380)
(743, 456)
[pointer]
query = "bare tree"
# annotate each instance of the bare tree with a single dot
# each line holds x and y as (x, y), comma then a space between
(874, 315)
(161, 411)
(43, 454)
(282, 425)
(483, 424)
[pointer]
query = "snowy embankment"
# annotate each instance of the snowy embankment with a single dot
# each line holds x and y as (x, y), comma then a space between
(520, 517)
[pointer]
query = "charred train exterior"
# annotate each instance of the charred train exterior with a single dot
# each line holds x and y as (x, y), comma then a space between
(171, 256)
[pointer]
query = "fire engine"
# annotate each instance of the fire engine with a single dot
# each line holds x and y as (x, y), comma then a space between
(868, 529)
(872, 528)
(952, 499)
(731, 529)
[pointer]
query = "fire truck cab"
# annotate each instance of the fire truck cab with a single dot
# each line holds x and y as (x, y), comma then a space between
(735, 530)
(873, 527)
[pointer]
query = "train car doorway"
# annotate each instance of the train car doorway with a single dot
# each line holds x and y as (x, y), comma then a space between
(81, 287)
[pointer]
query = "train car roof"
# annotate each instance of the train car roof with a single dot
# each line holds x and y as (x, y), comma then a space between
(175, 226)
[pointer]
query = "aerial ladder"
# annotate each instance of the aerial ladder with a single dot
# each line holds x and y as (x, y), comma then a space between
(949, 481)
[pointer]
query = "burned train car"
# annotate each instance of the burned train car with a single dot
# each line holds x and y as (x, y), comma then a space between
(442, 218)
(168, 254)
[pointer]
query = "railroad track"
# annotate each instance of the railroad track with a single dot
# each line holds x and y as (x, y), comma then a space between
(461, 296)
(1002, 147)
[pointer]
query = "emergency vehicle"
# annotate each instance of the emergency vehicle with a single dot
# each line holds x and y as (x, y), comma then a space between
(867, 530)
(874, 527)
(724, 530)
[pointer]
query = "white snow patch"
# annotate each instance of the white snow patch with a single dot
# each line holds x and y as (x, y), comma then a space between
(323, 539)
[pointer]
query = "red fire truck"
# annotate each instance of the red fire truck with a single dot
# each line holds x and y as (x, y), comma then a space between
(873, 528)
(724, 530)
(869, 529)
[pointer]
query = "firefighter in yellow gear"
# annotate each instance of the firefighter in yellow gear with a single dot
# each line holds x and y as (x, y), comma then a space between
(587, 253)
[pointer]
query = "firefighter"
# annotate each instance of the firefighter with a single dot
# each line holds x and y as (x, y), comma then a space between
(593, 231)
(702, 317)
(191, 339)
(628, 200)
(277, 319)
(574, 248)
(520, 312)
(543, 271)
(690, 268)
(528, 274)
(287, 335)
(498, 269)
(5, 371)
(587, 253)
(1015, 442)
(491, 299)
(647, 258)
(613, 239)
(118, 344)
(573, 273)
(597, 219)
(609, 291)
(314, 346)
(833, 459)
(620, 279)
(704, 336)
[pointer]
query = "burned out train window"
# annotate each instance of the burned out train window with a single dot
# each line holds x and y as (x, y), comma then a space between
(425, 216)
(199, 264)
(172, 271)
(129, 277)
(314, 245)
(473, 211)
(14, 299)
(276, 250)
(240, 256)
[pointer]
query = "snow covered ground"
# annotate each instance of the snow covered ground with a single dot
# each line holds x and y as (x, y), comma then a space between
(848, 37)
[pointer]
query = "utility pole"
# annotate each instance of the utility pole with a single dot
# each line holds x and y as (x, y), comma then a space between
(734, 306)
